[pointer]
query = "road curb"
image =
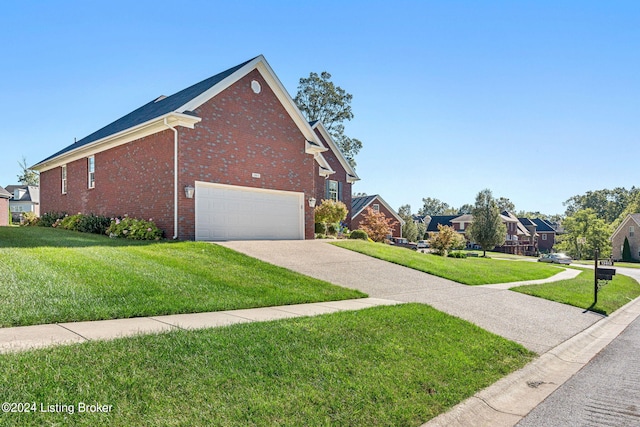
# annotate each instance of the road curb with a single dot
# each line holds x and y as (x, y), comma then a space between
(510, 399)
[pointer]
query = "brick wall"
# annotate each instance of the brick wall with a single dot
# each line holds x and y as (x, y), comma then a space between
(134, 179)
(242, 133)
(617, 240)
(340, 176)
(546, 245)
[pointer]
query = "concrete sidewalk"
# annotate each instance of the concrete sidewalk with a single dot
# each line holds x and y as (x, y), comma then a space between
(38, 336)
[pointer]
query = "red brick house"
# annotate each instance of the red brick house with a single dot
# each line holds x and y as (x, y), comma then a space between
(230, 157)
(546, 235)
(628, 229)
(334, 175)
(377, 203)
(4, 207)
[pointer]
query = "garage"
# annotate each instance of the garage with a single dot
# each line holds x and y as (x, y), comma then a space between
(230, 212)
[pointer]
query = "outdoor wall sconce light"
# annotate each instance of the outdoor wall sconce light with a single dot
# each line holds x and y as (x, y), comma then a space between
(312, 202)
(188, 191)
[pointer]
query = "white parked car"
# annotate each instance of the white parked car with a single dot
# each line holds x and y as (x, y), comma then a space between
(422, 244)
(556, 258)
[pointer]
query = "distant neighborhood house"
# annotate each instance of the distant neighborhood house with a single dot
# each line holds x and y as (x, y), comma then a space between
(377, 203)
(629, 229)
(522, 236)
(24, 198)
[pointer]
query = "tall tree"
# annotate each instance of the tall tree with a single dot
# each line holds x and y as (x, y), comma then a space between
(584, 233)
(505, 204)
(404, 212)
(320, 99)
(633, 206)
(487, 229)
(410, 229)
(465, 209)
(422, 230)
(606, 204)
(432, 206)
(28, 176)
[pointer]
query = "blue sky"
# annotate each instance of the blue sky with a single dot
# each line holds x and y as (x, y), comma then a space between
(536, 100)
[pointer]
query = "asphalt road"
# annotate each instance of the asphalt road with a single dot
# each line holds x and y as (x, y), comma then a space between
(606, 392)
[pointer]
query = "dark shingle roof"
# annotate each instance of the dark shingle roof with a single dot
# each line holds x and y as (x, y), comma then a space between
(4, 193)
(526, 221)
(440, 219)
(543, 226)
(359, 203)
(156, 108)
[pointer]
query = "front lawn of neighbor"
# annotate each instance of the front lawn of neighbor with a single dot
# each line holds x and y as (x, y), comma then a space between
(470, 271)
(616, 264)
(579, 292)
(383, 366)
(49, 275)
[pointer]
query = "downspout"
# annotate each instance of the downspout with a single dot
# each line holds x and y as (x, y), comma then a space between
(175, 178)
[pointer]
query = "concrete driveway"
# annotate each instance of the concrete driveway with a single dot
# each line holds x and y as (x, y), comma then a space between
(537, 324)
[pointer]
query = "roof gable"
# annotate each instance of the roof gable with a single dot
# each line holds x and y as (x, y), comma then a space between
(179, 108)
(630, 217)
(4, 193)
(359, 204)
(351, 173)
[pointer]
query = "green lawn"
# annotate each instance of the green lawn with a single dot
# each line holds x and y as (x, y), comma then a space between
(470, 271)
(579, 292)
(384, 366)
(49, 275)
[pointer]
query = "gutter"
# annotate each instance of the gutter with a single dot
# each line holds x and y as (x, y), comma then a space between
(175, 178)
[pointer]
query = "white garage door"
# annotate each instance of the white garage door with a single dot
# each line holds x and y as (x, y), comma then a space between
(229, 212)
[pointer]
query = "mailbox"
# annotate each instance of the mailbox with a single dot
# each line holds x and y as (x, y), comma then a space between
(605, 273)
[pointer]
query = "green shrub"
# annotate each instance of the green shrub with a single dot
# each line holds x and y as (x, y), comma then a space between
(320, 228)
(134, 228)
(49, 218)
(30, 219)
(95, 224)
(359, 234)
(626, 251)
(457, 255)
(69, 222)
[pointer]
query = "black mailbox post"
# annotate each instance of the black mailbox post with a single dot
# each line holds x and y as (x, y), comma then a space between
(600, 274)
